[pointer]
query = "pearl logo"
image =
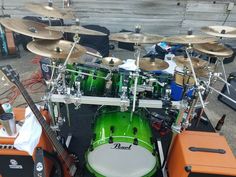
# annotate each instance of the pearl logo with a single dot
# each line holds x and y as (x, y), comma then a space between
(39, 166)
(14, 164)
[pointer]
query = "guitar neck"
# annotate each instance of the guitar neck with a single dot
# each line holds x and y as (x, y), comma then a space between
(50, 134)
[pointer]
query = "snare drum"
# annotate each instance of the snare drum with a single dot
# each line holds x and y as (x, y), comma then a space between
(182, 78)
(121, 147)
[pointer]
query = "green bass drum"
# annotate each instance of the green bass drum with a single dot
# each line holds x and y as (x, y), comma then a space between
(122, 147)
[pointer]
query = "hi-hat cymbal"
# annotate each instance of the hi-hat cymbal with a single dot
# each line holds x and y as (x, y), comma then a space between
(30, 28)
(214, 49)
(48, 11)
(197, 62)
(111, 61)
(149, 64)
(57, 49)
(220, 31)
(76, 29)
(190, 39)
(138, 38)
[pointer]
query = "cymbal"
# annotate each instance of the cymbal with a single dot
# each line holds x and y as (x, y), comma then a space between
(197, 62)
(220, 31)
(57, 49)
(149, 64)
(30, 28)
(190, 39)
(48, 11)
(215, 49)
(76, 29)
(201, 72)
(138, 38)
(111, 61)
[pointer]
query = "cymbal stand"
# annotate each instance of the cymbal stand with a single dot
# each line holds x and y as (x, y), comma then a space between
(220, 60)
(63, 67)
(198, 96)
(188, 49)
(136, 75)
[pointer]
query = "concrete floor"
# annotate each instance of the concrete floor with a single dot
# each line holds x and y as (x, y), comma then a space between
(215, 109)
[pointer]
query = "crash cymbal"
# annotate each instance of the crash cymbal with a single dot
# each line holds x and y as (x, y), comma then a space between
(190, 39)
(57, 49)
(149, 64)
(215, 49)
(49, 11)
(76, 29)
(197, 62)
(30, 28)
(220, 31)
(111, 61)
(138, 38)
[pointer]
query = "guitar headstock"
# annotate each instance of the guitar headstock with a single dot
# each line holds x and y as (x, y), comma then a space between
(10, 74)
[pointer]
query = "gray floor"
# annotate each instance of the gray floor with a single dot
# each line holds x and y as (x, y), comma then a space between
(214, 110)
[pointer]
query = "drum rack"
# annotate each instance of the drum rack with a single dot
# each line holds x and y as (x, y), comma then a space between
(123, 103)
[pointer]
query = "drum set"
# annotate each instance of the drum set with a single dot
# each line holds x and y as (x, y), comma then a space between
(123, 144)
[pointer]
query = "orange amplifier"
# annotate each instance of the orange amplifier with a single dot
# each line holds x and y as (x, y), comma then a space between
(201, 154)
(15, 163)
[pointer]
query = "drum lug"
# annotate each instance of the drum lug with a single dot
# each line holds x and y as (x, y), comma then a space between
(135, 141)
(94, 136)
(91, 148)
(112, 129)
(135, 130)
(110, 140)
(151, 140)
(154, 152)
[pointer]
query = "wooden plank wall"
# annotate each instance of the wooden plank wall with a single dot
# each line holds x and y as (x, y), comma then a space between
(164, 17)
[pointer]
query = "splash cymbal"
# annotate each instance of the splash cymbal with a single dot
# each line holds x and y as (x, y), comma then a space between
(56, 49)
(215, 49)
(30, 28)
(138, 38)
(190, 39)
(197, 62)
(76, 29)
(220, 31)
(49, 11)
(149, 64)
(111, 61)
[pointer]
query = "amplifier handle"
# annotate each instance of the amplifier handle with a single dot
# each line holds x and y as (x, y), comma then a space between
(200, 149)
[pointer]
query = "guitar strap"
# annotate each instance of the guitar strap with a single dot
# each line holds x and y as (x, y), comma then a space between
(39, 165)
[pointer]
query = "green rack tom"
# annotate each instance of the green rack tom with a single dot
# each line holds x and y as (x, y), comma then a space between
(92, 82)
(122, 146)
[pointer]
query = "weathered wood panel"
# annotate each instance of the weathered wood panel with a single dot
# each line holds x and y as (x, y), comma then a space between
(165, 17)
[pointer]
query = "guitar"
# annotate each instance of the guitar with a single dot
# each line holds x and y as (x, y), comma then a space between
(69, 167)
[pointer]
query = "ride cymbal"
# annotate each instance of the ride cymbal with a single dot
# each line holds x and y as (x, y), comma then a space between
(215, 49)
(183, 61)
(30, 28)
(57, 49)
(137, 38)
(190, 39)
(220, 31)
(111, 61)
(150, 64)
(76, 29)
(49, 11)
